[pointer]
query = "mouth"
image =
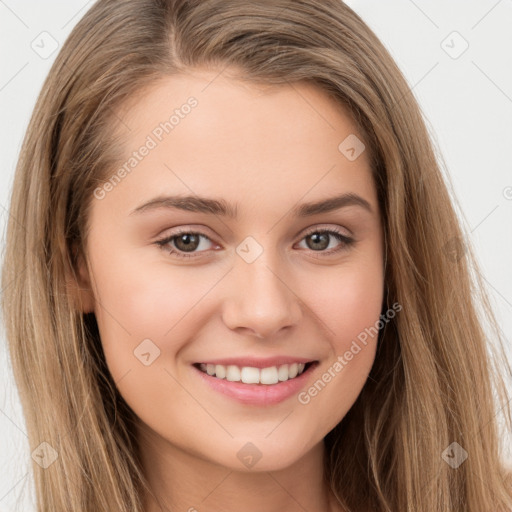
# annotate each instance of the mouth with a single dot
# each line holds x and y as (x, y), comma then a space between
(267, 376)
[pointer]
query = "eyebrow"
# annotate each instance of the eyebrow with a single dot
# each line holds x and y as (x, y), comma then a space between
(220, 207)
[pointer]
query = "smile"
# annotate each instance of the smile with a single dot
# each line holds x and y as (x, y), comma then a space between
(258, 385)
(250, 375)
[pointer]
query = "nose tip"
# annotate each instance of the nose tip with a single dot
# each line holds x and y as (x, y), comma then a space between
(259, 322)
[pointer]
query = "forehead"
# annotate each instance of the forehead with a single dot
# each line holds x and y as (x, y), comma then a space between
(213, 134)
(242, 103)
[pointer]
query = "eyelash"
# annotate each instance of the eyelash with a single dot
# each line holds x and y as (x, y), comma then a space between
(346, 241)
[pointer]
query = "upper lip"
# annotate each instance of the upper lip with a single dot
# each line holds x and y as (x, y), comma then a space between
(258, 362)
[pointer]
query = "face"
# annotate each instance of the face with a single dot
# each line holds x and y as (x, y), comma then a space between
(261, 282)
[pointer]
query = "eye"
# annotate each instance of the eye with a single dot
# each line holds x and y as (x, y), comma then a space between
(319, 240)
(184, 243)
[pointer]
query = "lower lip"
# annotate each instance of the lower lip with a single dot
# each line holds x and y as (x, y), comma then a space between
(258, 394)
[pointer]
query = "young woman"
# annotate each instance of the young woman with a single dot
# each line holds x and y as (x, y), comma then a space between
(236, 278)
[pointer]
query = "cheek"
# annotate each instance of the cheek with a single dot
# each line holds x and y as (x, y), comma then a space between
(348, 301)
(149, 313)
(143, 298)
(145, 319)
(353, 309)
(349, 305)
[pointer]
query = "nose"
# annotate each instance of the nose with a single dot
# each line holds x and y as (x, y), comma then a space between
(261, 300)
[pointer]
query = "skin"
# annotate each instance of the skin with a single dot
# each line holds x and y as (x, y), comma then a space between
(265, 148)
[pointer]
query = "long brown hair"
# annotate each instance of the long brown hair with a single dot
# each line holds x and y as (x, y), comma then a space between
(438, 373)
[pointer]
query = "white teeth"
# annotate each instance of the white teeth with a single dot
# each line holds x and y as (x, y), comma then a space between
(220, 371)
(250, 375)
(269, 375)
(233, 373)
(282, 373)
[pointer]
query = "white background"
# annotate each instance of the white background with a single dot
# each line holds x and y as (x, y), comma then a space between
(467, 102)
